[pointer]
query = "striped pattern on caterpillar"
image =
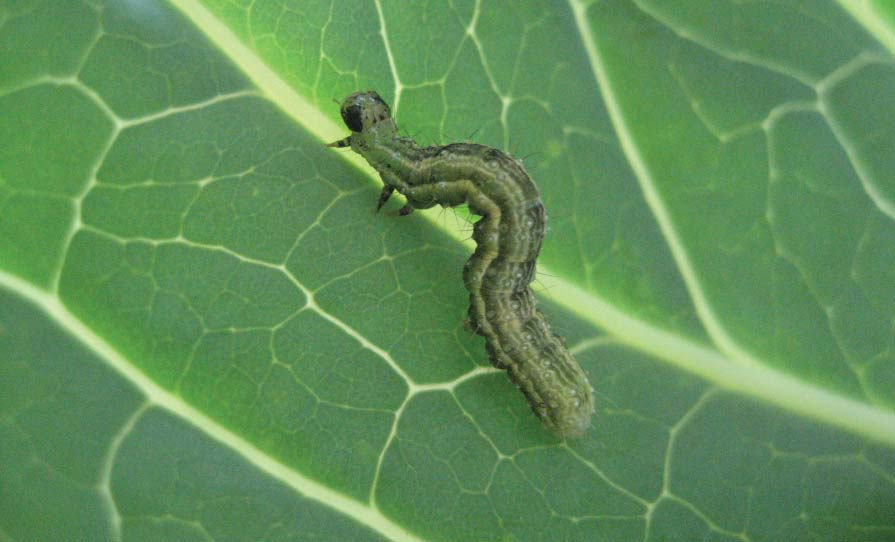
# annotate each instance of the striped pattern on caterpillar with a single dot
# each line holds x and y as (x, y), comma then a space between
(508, 237)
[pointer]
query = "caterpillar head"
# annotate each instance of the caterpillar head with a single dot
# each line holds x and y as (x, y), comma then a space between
(368, 117)
(362, 111)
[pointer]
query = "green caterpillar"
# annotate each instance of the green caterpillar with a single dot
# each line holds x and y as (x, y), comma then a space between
(508, 237)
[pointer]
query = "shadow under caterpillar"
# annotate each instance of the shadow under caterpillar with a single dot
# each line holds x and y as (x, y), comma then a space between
(498, 274)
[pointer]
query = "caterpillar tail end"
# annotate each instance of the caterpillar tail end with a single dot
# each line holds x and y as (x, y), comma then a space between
(574, 426)
(569, 413)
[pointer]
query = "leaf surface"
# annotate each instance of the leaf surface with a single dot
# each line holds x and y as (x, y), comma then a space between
(207, 334)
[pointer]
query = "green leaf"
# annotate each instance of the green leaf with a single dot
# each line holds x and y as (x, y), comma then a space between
(207, 334)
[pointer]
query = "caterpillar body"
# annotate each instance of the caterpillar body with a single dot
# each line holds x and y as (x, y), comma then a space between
(498, 274)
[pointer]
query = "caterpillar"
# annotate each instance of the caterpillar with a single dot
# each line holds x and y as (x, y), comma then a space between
(508, 239)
